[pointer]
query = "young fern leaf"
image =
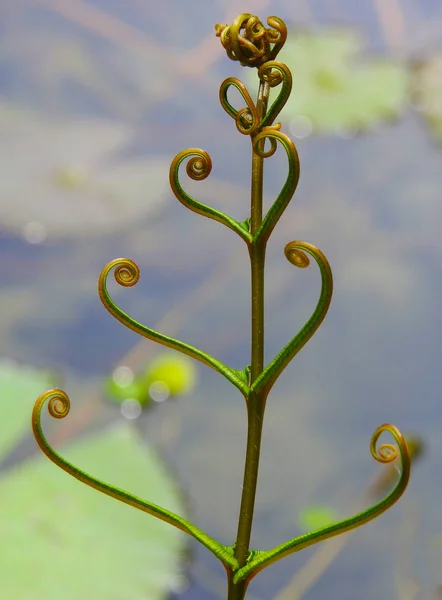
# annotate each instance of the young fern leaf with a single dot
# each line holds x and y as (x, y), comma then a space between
(386, 453)
(198, 168)
(58, 407)
(282, 75)
(278, 207)
(127, 274)
(246, 119)
(295, 254)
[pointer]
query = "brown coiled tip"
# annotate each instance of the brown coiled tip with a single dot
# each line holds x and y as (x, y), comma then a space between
(127, 273)
(387, 453)
(219, 28)
(59, 404)
(265, 73)
(248, 41)
(295, 256)
(199, 167)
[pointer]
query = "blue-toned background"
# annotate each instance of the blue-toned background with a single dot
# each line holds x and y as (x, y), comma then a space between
(104, 95)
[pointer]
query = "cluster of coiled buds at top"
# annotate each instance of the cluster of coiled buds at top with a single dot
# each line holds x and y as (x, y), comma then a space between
(250, 42)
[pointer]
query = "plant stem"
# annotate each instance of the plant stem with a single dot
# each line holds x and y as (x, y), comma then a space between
(238, 591)
(256, 403)
(255, 418)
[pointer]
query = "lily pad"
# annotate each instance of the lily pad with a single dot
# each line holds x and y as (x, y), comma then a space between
(333, 94)
(76, 187)
(427, 93)
(62, 539)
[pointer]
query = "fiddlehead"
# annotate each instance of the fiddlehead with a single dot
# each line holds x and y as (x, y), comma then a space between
(283, 75)
(127, 274)
(198, 168)
(246, 119)
(295, 253)
(277, 35)
(386, 453)
(58, 407)
(249, 42)
(278, 207)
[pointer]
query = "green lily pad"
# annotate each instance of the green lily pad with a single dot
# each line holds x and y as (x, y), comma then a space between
(427, 93)
(62, 539)
(19, 387)
(332, 94)
(315, 517)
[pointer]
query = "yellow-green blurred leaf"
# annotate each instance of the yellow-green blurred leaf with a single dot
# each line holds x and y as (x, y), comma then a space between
(315, 517)
(333, 94)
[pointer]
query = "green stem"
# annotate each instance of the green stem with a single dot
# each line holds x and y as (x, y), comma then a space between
(256, 402)
(257, 258)
(237, 591)
(255, 419)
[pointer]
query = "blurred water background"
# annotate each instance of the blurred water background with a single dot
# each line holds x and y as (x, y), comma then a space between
(96, 98)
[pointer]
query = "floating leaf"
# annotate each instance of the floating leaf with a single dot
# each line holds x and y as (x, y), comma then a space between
(315, 517)
(427, 93)
(331, 94)
(62, 539)
(19, 387)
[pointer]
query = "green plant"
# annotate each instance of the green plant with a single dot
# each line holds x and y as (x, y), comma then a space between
(250, 42)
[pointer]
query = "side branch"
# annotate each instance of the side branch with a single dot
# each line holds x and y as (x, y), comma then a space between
(283, 76)
(295, 253)
(385, 454)
(58, 407)
(246, 119)
(127, 274)
(198, 168)
(278, 207)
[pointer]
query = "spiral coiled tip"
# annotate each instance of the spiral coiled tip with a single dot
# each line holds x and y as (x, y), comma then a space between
(58, 407)
(127, 273)
(59, 404)
(296, 256)
(387, 453)
(200, 166)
